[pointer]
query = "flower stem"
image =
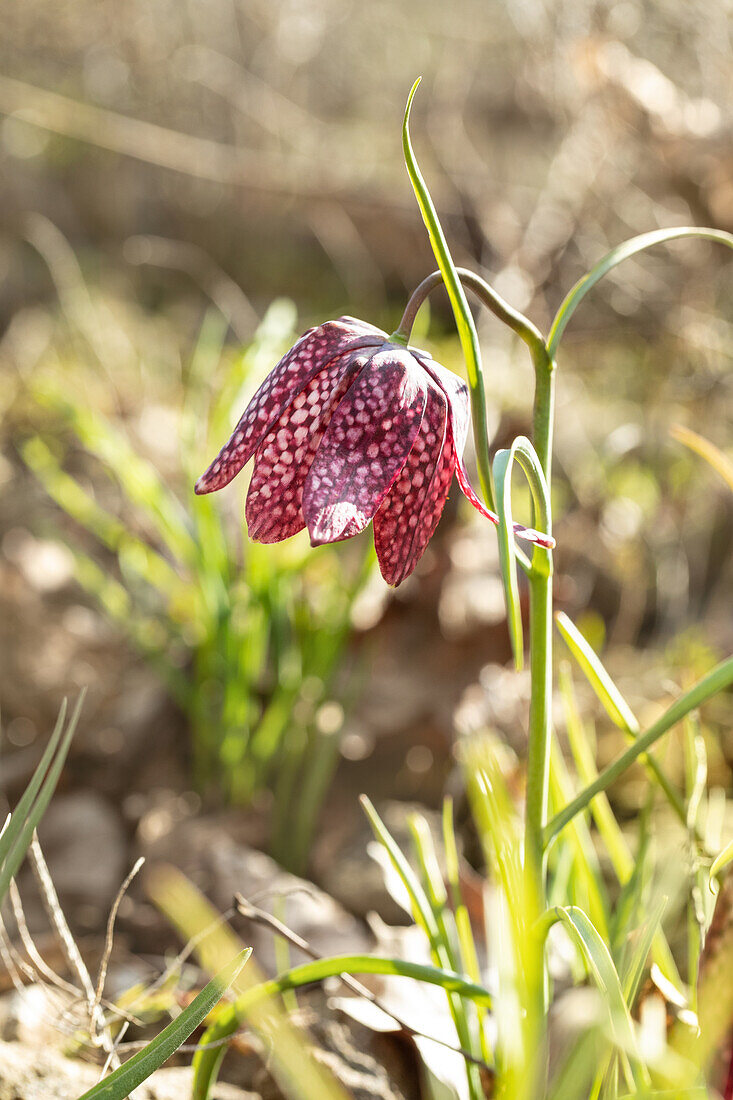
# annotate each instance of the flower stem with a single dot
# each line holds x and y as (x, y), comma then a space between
(540, 574)
(485, 293)
(540, 639)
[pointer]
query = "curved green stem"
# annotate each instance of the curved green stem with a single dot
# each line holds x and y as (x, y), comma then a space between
(522, 452)
(485, 293)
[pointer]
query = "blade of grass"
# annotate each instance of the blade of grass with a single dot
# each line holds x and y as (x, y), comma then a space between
(432, 881)
(467, 944)
(14, 823)
(616, 256)
(715, 681)
(29, 822)
(465, 324)
(585, 875)
(615, 705)
(122, 1082)
(297, 1073)
(633, 972)
(619, 853)
(600, 966)
(707, 450)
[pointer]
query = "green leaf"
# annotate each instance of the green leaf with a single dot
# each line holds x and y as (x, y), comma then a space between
(643, 940)
(615, 705)
(716, 680)
(121, 1083)
(584, 885)
(320, 969)
(421, 908)
(722, 860)
(19, 831)
(616, 256)
(464, 319)
(707, 450)
(12, 829)
(600, 967)
(234, 1015)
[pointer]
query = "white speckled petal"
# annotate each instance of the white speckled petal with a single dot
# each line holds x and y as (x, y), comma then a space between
(365, 446)
(459, 404)
(410, 512)
(283, 459)
(314, 351)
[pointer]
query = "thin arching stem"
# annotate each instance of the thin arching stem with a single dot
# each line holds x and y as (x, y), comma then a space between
(486, 294)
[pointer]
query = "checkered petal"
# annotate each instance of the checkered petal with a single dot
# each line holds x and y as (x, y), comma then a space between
(459, 404)
(314, 351)
(283, 459)
(410, 512)
(365, 446)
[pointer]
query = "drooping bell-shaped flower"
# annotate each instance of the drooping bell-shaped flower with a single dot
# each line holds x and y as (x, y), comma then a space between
(349, 428)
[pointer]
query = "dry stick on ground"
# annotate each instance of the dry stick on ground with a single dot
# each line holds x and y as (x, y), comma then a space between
(8, 960)
(31, 950)
(109, 940)
(68, 943)
(13, 963)
(259, 916)
(115, 1050)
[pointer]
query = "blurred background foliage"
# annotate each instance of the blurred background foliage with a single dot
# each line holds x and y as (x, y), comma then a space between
(170, 170)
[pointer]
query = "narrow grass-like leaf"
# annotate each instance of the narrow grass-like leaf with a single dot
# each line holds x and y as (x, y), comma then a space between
(707, 450)
(616, 256)
(30, 820)
(298, 1075)
(716, 680)
(464, 320)
(619, 853)
(449, 953)
(608, 828)
(122, 1082)
(320, 969)
(615, 705)
(467, 944)
(422, 911)
(14, 823)
(600, 966)
(722, 860)
(633, 972)
(585, 884)
(233, 1016)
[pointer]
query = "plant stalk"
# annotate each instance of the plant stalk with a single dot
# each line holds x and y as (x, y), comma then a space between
(540, 641)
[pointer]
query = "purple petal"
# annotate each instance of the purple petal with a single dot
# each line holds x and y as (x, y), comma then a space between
(314, 351)
(456, 391)
(365, 447)
(283, 459)
(409, 514)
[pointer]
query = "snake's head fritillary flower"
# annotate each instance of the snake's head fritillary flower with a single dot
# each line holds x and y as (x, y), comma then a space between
(348, 428)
